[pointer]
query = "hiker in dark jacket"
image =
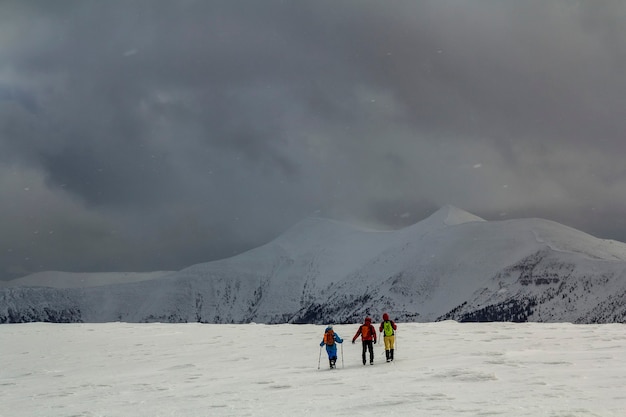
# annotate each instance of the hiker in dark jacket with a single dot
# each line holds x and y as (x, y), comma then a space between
(368, 337)
(388, 329)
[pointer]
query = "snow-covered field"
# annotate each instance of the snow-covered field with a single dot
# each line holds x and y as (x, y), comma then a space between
(441, 369)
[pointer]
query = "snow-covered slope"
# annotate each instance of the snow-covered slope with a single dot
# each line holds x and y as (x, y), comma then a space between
(443, 369)
(452, 265)
(59, 279)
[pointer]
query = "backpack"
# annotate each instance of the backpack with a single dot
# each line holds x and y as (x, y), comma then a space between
(388, 328)
(329, 337)
(365, 331)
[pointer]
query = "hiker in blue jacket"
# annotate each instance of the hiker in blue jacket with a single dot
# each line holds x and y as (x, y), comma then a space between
(331, 339)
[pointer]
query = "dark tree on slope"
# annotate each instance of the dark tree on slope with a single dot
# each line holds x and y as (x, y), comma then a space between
(511, 310)
(45, 314)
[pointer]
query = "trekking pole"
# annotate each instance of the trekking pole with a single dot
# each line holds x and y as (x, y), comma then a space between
(342, 355)
(395, 339)
(319, 358)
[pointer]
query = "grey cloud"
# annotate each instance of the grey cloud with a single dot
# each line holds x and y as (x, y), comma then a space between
(165, 134)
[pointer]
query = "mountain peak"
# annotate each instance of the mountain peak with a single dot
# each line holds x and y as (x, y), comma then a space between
(449, 215)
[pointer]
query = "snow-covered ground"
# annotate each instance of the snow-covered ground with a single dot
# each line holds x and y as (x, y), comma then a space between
(441, 369)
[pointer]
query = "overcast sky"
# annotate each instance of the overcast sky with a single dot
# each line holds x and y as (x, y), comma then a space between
(139, 135)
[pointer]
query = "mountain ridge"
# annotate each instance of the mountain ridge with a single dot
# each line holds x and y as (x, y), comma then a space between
(451, 265)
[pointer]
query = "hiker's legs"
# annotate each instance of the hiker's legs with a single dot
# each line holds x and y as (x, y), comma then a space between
(332, 354)
(370, 347)
(364, 350)
(389, 340)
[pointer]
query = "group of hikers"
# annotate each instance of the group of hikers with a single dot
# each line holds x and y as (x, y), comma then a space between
(367, 331)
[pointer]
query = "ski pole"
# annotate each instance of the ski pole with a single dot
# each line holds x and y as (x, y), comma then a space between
(319, 358)
(395, 339)
(342, 355)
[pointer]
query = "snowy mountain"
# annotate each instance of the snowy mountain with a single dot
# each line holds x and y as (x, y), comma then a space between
(452, 265)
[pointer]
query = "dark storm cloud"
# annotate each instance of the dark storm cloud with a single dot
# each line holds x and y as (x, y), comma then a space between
(139, 135)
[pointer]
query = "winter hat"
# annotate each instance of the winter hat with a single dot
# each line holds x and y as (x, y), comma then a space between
(368, 320)
(385, 316)
(330, 327)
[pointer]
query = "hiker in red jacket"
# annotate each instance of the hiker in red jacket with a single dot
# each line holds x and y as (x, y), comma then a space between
(368, 337)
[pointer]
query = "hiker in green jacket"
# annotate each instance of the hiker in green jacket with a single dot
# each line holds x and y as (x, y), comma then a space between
(388, 328)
